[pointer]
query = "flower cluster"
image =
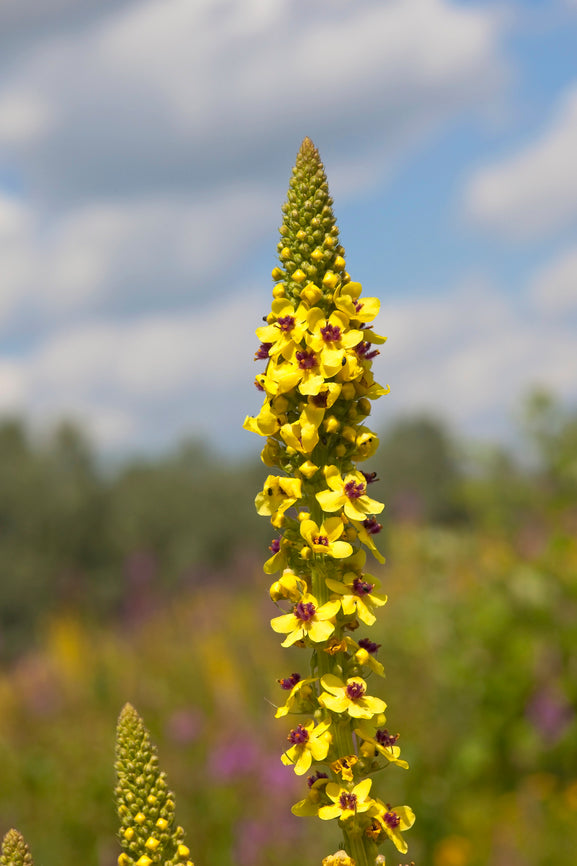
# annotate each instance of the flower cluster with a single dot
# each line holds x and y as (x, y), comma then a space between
(318, 343)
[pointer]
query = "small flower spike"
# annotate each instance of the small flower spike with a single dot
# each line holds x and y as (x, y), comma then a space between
(148, 833)
(317, 347)
(15, 850)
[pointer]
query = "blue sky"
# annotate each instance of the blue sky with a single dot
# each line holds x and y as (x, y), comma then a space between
(145, 151)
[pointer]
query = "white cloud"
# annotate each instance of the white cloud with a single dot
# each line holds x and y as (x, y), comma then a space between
(23, 116)
(532, 192)
(468, 355)
(154, 139)
(554, 287)
(12, 387)
(177, 94)
(123, 254)
(147, 380)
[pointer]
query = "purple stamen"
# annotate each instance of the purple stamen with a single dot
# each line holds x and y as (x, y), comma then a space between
(348, 801)
(354, 491)
(307, 360)
(331, 333)
(321, 539)
(355, 691)
(383, 737)
(274, 546)
(362, 587)
(298, 735)
(358, 306)
(315, 777)
(370, 477)
(363, 351)
(371, 525)
(286, 323)
(391, 819)
(288, 683)
(262, 351)
(304, 610)
(258, 386)
(320, 400)
(369, 645)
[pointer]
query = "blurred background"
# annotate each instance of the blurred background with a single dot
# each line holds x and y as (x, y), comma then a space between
(145, 152)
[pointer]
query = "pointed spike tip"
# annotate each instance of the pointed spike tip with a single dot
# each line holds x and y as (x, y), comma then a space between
(15, 851)
(308, 148)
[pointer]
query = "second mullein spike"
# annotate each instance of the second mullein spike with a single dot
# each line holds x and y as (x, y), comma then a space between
(15, 851)
(148, 831)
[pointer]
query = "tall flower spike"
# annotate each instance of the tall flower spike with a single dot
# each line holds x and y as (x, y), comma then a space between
(145, 805)
(318, 386)
(15, 851)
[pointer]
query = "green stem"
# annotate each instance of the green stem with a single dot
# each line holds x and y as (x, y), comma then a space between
(355, 846)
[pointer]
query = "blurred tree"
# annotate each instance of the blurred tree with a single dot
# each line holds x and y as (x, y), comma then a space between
(51, 513)
(551, 430)
(420, 468)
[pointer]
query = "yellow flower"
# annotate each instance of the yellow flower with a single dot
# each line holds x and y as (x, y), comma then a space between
(347, 803)
(277, 495)
(344, 766)
(377, 740)
(339, 858)
(394, 821)
(366, 443)
(349, 697)
(308, 619)
(271, 452)
(308, 743)
(348, 493)
(289, 585)
(364, 654)
(357, 595)
(367, 387)
(287, 331)
(346, 298)
(305, 370)
(277, 561)
(324, 539)
(330, 338)
(298, 699)
(310, 805)
(308, 469)
(266, 423)
(303, 434)
(365, 532)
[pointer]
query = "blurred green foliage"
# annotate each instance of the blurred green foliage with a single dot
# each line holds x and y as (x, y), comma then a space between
(145, 584)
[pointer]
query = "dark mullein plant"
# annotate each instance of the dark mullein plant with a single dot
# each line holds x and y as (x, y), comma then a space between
(145, 805)
(318, 343)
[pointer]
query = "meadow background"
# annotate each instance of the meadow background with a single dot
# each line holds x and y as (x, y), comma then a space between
(145, 152)
(146, 584)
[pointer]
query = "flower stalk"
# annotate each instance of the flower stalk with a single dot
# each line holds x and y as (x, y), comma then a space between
(318, 343)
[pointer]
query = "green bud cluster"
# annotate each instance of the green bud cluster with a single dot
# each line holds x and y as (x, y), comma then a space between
(309, 246)
(15, 851)
(148, 833)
